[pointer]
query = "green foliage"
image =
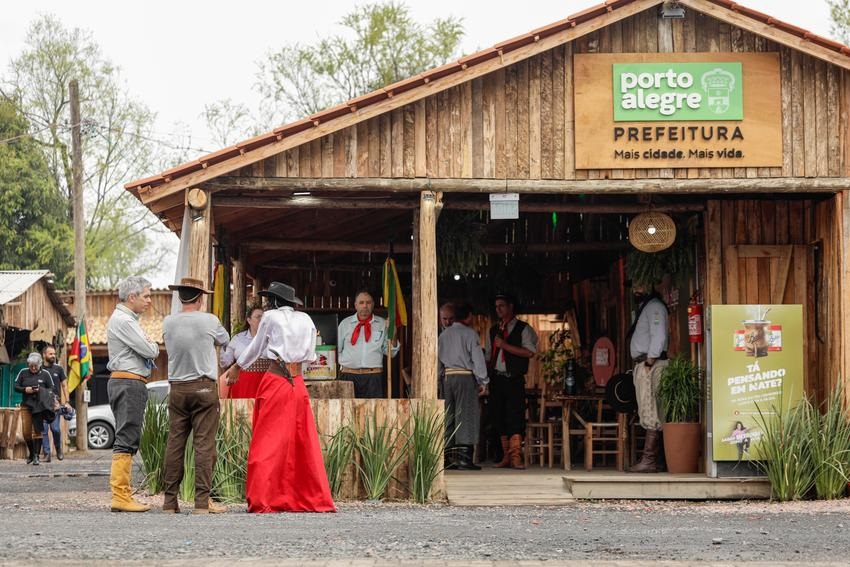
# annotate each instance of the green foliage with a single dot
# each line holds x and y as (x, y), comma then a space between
(648, 268)
(839, 11)
(679, 390)
(381, 451)
(829, 432)
(381, 44)
(554, 360)
(116, 147)
(337, 451)
(187, 485)
(426, 450)
(34, 228)
(233, 440)
(785, 450)
(154, 439)
(460, 237)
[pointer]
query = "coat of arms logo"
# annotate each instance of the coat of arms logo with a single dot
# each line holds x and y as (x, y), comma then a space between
(718, 85)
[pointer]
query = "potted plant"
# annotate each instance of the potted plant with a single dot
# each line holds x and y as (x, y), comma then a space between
(679, 395)
(554, 360)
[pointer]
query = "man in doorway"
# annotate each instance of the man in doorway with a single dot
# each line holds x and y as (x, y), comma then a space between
(510, 344)
(131, 359)
(648, 338)
(462, 363)
(190, 339)
(363, 343)
(60, 388)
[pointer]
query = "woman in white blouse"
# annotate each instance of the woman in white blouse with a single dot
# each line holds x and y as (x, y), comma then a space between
(231, 352)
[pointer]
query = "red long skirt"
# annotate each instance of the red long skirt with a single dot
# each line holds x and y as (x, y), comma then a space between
(286, 472)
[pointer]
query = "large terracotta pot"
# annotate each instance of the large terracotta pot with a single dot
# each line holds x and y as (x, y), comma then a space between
(682, 447)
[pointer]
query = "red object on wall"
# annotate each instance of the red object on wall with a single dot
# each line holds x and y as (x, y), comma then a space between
(695, 334)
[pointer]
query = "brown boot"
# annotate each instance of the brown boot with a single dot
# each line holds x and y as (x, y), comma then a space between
(506, 453)
(649, 460)
(516, 452)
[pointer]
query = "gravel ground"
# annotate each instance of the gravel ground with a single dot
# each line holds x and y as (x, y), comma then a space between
(43, 517)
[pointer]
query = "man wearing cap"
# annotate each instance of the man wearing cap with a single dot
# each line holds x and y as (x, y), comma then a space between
(510, 343)
(190, 339)
(648, 339)
(363, 343)
(462, 362)
(131, 358)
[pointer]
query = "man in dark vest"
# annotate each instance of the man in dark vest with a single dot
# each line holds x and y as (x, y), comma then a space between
(510, 343)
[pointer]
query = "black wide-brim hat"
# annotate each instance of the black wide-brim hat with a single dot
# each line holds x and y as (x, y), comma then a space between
(620, 393)
(281, 291)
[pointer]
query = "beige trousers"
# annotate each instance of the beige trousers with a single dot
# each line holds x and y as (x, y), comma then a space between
(646, 379)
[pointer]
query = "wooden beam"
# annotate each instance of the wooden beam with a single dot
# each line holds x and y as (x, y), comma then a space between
(238, 302)
(294, 267)
(771, 32)
(537, 186)
(260, 202)
(200, 246)
(843, 218)
(416, 304)
(379, 247)
(425, 383)
(148, 194)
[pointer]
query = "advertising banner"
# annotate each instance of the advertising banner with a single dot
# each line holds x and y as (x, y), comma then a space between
(756, 365)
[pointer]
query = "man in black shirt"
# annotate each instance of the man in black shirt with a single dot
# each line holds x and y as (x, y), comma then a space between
(60, 388)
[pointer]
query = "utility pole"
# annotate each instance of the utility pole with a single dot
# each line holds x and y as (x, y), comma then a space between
(79, 250)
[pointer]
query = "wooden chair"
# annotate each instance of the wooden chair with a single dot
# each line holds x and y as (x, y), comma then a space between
(540, 434)
(606, 438)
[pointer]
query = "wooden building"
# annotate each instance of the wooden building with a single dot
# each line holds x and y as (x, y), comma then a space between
(317, 202)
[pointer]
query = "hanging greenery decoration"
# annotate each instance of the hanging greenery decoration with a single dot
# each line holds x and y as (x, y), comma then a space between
(460, 238)
(647, 268)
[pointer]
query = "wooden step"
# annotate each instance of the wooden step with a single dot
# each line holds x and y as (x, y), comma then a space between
(603, 485)
(507, 487)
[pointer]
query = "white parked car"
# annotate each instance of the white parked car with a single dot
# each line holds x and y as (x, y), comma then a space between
(101, 421)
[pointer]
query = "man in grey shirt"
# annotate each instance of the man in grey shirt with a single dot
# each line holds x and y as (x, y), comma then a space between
(190, 338)
(462, 361)
(131, 356)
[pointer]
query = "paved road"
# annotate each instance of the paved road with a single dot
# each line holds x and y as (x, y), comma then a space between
(62, 514)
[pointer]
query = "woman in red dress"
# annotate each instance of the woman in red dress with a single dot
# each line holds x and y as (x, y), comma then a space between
(286, 472)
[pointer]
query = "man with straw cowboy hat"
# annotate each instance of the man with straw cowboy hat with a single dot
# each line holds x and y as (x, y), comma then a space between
(190, 338)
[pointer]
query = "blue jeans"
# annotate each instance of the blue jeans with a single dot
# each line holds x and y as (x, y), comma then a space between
(57, 435)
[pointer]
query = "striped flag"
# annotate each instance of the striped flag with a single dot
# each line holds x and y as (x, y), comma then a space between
(79, 358)
(393, 299)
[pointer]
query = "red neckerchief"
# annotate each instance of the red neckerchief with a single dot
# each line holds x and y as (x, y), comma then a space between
(503, 329)
(367, 326)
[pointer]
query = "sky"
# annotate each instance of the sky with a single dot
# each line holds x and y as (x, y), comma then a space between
(179, 55)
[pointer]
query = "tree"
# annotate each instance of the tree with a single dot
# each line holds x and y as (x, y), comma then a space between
(33, 231)
(386, 45)
(840, 12)
(117, 145)
(229, 122)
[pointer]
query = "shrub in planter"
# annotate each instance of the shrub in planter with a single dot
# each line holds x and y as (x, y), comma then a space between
(679, 392)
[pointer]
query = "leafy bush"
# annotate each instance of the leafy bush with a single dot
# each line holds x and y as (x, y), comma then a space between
(426, 450)
(785, 450)
(380, 456)
(154, 438)
(233, 440)
(187, 485)
(830, 447)
(337, 452)
(679, 390)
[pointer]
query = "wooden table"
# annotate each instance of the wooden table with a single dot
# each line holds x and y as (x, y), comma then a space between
(569, 411)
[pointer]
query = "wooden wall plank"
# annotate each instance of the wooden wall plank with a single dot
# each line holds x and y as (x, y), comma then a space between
(560, 94)
(397, 137)
(375, 147)
(534, 131)
(443, 137)
(293, 162)
(820, 122)
(408, 115)
(511, 121)
(488, 125)
(454, 132)
(522, 113)
(327, 155)
(809, 116)
(500, 133)
(466, 130)
(547, 157)
(351, 151)
(316, 157)
(385, 168)
(432, 154)
(833, 127)
(363, 149)
(477, 128)
(798, 147)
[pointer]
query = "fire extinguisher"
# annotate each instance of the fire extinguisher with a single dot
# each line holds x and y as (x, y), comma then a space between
(695, 318)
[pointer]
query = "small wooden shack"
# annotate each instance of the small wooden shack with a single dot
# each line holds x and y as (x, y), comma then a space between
(317, 202)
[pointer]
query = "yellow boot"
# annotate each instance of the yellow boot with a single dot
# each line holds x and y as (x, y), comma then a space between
(119, 481)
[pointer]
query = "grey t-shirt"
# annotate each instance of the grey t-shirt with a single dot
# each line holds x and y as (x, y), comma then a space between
(190, 339)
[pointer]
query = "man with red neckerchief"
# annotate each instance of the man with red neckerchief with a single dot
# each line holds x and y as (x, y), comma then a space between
(362, 344)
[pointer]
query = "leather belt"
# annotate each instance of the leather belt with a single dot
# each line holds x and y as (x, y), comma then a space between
(129, 376)
(361, 370)
(453, 371)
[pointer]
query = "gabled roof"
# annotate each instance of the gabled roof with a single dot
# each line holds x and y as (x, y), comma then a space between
(466, 68)
(13, 284)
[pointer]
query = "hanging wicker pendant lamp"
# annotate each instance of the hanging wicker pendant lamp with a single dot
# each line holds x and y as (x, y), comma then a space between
(652, 232)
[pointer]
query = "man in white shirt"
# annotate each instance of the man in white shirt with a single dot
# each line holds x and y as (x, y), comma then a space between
(363, 343)
(648, 339)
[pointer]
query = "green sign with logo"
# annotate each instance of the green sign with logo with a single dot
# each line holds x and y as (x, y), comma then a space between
(647, 92)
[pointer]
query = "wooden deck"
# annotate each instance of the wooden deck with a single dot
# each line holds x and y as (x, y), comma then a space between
(554, 487)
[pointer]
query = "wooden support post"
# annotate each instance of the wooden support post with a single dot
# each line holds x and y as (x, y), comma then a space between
(426, 381)
(415, 314)
(843, 211)
(238, 304)
(199, 241)
(79, 251)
